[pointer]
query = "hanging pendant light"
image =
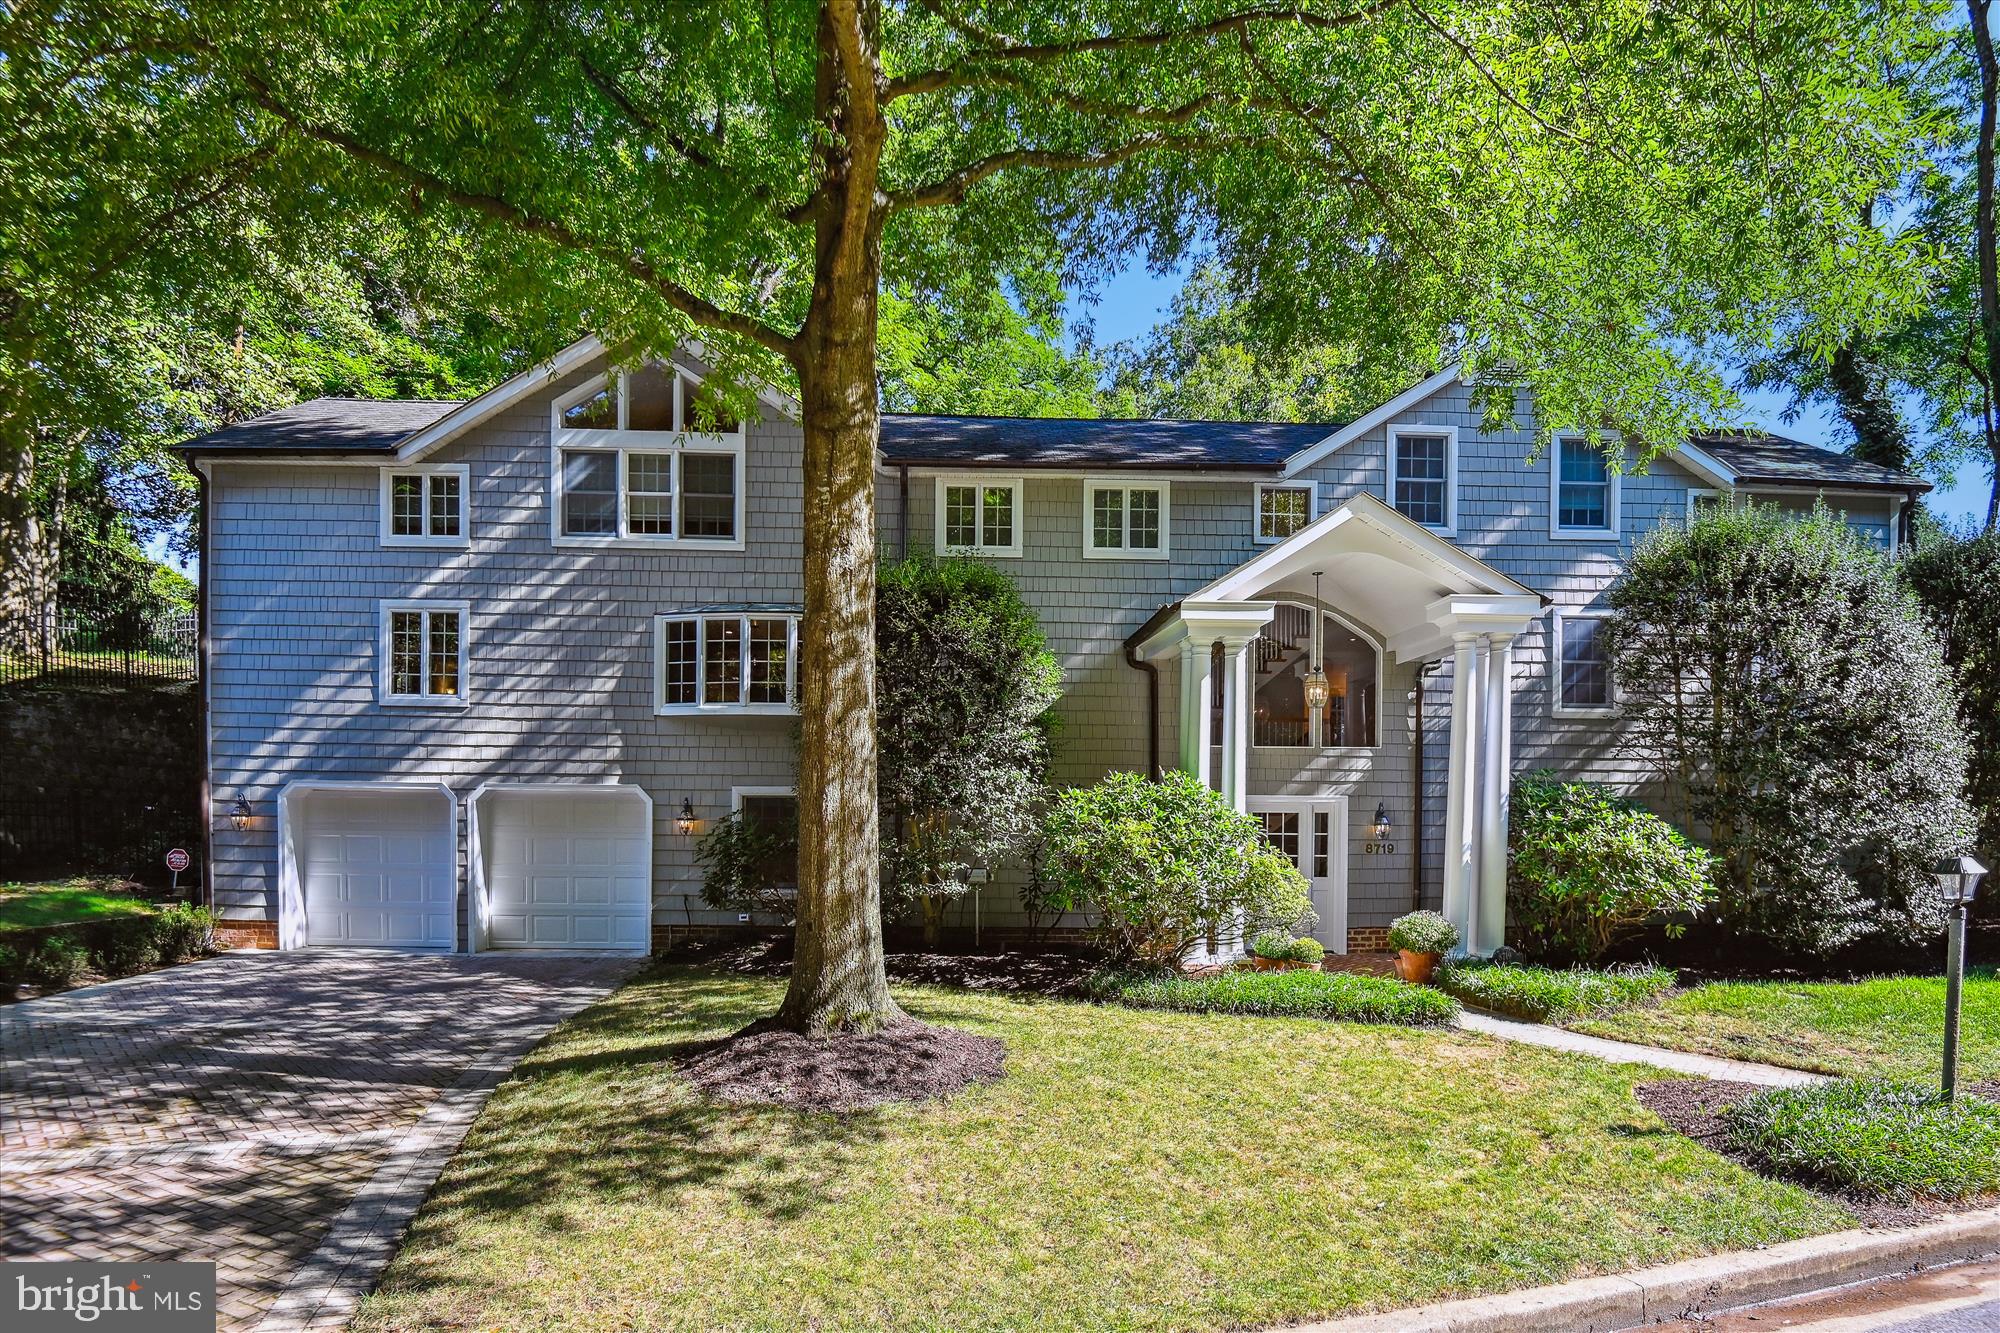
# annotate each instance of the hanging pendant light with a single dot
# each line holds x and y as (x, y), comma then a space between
(1318, 692)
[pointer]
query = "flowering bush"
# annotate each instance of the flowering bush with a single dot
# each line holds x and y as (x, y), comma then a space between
(1423, 932)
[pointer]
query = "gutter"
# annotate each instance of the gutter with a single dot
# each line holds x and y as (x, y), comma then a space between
(1133, 659)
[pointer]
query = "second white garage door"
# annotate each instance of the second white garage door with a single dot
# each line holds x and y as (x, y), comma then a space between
(566, 868)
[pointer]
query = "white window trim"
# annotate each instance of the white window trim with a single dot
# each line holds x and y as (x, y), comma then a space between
(1311, 488)
(1017, 485)
(624, 443)
(1091, 551)
(384, 610)
(1696, 494)
(1557, 708)
(662, 708)
(428, 470)
(1613, 476)
(736, 795)
(1414, 428)
(1250, 728)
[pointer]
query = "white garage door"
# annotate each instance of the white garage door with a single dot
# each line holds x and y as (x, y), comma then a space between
(378, 868)
(567, 870)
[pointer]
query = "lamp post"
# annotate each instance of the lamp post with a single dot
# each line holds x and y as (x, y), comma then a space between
(1959, 877)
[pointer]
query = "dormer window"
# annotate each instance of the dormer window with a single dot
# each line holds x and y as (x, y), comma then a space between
(641, 460)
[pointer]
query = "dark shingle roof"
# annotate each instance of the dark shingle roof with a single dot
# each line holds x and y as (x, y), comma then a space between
(326, 426)
(1055, 442)
(1756, 457)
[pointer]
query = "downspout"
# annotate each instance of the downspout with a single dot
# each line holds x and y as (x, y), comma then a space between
(1132, 658)
(1417, 789)
(903, 511)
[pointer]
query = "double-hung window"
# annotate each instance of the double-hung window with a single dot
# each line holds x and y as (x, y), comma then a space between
(1283, 510)
(745, 662)
(1127, 520)
(422, 650)
(1423, 475)
(1583, 496)
(640, 462)
(979, 515)
(1580, 666)
(426, 506)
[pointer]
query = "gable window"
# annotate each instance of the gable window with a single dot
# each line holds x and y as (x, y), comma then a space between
(1127, 520)
(1284, 659)
(1582, 670)
(422, 652)
(1283, 510)
(637, 463)
(425, 506)
(1583, 497)
(979, 516)
(1423, 475)
(737, 662)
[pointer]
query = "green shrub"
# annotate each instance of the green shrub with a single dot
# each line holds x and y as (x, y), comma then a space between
(52, 963)
(1279, 946)
(1306, 949)
(1301, 994)
(1881, 1140)
(1585, 865)
(120, 946)
(183, 932)
(747, 866)
(1163, 864)
(1541, 994)
(1423, 932)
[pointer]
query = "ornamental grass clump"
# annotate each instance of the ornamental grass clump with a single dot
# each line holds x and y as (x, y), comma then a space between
(1544, 995)
(1343, 996)
(1879, 1140)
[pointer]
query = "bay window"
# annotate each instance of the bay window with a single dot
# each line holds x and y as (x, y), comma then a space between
(730, 662)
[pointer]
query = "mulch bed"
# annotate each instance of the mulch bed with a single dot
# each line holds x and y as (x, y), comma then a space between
(907, 1061)
(1694, 1107)
(1055, 973)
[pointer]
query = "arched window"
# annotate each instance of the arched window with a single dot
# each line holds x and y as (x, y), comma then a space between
(1284, 657)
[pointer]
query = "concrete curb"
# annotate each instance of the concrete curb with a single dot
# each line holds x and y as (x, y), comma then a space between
(1696, 1286)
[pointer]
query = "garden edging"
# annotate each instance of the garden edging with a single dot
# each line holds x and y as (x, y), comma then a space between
(1693, 1287)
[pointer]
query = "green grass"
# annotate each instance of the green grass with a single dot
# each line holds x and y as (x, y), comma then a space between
(1548, 995)
(1882, 1140)
(1885, 1027)
(1136, 1169)
(57, 902)
(1293, 994)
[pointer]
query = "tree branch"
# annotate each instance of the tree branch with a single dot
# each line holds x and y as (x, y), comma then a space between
(1091, 106)
(998, 47)
(697, 308)
(952, 189)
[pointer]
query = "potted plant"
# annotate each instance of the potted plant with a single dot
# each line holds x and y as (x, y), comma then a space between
(1275, 951)
(1420, 939)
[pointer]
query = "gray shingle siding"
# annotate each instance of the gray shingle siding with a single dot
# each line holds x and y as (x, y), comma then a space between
(561, 649)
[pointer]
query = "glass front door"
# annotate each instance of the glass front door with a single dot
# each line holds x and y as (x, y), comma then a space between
(1313, 836)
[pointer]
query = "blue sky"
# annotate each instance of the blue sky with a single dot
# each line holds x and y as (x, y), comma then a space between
(1131, 303)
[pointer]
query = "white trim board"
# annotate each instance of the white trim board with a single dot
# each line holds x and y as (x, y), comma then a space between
(1372, 420)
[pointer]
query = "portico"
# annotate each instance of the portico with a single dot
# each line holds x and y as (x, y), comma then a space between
(1414, 597)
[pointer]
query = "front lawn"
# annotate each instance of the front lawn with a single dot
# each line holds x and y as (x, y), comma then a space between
(1134, 1170)
(54, 902)
(1886, 1027)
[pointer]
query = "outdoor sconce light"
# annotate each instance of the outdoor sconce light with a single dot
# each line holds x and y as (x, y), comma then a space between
(240, 813)
(1318, 692)
(686, 822)
(1380, 828)
(1959, 877)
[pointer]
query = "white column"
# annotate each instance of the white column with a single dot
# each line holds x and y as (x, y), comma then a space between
(1204, 704)
(1462, 778)
(1190, 733)
(1490, 918)
(1235, 722)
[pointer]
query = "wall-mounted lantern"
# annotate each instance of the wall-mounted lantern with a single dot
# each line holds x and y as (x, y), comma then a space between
(1380, 828)
(685, 822)
(240, 813)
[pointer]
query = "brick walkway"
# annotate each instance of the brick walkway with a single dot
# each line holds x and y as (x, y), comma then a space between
(280, 1113)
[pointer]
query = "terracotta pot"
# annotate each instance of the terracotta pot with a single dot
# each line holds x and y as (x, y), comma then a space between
(1415, 968)
(1276, 964)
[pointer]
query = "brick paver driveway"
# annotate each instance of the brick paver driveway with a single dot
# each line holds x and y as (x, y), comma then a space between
(280, 1113)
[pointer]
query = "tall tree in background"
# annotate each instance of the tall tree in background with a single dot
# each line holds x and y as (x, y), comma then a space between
(1592, 196)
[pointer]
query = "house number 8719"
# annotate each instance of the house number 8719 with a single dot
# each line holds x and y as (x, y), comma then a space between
(1378, 849)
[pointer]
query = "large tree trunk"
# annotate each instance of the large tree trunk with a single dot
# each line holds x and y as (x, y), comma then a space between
(26, 581)
(1879, 435)
(1979, 11)
(838, 980)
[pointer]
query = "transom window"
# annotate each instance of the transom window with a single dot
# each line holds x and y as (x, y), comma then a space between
(1420, 476)
(1283, 510)
(738, 662)
(1125, 520)
(1283, 662)
(425, 506)
(423, 652)
(640, 459)
(1585, 501)
(1583, 684)
(979, 516)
